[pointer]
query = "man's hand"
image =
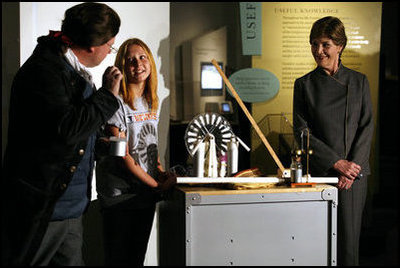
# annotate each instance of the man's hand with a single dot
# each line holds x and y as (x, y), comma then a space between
(112, 79)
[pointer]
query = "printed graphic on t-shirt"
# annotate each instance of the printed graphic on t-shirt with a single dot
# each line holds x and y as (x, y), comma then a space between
(146, 149)
(147, 136)
(139, 117)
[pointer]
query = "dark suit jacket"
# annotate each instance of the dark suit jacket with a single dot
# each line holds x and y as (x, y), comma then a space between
(338, 112)
(49, 126)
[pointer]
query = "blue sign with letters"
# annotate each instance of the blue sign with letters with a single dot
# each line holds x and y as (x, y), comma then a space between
(254, 85)
(251, 21)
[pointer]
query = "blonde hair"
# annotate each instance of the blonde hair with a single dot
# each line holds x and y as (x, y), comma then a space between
(150, 91)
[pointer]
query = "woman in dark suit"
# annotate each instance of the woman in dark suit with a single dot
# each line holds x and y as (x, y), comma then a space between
(334, 103)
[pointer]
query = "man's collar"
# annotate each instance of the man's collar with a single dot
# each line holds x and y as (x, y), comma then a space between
(79, 67)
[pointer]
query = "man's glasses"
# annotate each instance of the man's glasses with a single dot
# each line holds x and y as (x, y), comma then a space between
(113, 49)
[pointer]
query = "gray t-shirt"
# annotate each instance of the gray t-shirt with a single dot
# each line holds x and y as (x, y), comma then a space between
(113, 182)
(142, 132)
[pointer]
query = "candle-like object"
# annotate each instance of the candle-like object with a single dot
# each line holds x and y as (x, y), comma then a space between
(198, 161)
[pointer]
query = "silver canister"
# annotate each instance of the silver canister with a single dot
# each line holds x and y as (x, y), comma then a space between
(298, 175)
(117, 146)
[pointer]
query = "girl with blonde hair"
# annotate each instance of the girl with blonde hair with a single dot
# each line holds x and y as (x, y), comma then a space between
(129, 187)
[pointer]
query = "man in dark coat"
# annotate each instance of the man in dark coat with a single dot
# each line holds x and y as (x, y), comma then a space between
(55, 112)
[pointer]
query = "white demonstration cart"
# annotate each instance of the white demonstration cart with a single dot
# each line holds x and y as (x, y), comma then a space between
(273, 226)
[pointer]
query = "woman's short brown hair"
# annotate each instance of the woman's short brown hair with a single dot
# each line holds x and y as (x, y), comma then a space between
(330, 27)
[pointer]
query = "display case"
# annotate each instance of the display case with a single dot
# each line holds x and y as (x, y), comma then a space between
(205, 225)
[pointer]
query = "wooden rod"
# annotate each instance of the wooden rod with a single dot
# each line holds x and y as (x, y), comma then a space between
(252, 121)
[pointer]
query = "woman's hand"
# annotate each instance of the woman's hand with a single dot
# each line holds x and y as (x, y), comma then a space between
(347, 168)
(344, 183)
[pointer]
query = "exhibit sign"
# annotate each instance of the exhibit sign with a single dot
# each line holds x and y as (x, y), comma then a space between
(251, 27)
(254, 85)
(287, 52)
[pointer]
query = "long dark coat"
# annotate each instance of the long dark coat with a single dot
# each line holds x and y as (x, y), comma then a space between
(49, 126)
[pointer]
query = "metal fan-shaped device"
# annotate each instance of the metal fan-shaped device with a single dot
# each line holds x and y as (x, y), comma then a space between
(213, 146)
(206, 125)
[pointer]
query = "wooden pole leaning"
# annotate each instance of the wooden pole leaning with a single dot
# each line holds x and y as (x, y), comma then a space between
(252, 121)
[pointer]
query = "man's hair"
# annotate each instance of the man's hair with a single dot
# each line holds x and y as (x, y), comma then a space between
(90, 24)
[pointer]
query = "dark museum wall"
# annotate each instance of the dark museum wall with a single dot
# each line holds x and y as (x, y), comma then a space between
(379, 237)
